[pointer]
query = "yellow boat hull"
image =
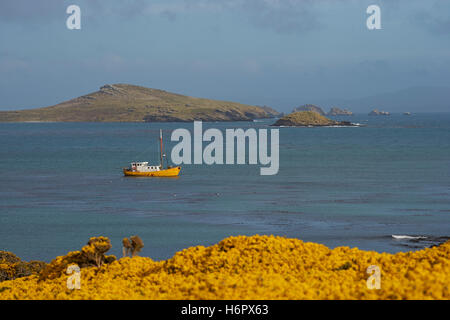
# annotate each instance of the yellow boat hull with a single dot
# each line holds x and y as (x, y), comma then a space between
(170, 172)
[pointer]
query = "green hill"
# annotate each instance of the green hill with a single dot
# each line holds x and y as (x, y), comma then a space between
(130, 103)
(308, 118)
(304, 118)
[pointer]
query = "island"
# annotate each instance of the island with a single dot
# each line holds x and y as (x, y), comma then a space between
(131, 103)
(309, 119)
(375, 112)
(310, 107)
(339, 112)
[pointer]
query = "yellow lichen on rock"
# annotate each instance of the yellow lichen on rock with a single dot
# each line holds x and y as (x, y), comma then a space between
(257, 267)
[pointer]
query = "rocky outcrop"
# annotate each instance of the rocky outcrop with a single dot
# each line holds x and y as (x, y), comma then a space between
(310, 107)
(376, 112)
(339, 112)
(309, 119)
(271, 112)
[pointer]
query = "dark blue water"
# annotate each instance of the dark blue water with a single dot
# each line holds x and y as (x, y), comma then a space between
(61, 183)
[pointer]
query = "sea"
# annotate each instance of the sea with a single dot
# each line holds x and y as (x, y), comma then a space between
(382, 186)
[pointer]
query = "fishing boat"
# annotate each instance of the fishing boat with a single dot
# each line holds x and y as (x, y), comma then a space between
(143, 169)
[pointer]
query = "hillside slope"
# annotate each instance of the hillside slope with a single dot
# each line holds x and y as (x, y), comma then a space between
(124, 102)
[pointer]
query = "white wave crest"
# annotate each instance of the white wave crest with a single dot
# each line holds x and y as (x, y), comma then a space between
(408, 237)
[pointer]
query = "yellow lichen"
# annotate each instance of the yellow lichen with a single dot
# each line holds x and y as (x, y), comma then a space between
(257, 267)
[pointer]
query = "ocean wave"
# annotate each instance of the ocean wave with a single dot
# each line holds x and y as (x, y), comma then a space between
(354, 125)
(408, 237)
(419, 241)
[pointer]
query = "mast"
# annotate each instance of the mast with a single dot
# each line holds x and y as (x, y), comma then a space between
(161, 148)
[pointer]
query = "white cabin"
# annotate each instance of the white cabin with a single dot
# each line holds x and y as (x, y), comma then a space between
(143, 167)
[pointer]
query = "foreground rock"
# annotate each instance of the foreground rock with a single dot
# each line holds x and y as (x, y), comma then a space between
(339, 112)
(130, 103)
(376, 112)
(310, 107)
(309, 119)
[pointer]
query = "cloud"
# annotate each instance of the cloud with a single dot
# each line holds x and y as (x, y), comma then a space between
(25, 10)
(432, 23)
(290, 16)
(171, 16)
(283, 16)
(280, 16)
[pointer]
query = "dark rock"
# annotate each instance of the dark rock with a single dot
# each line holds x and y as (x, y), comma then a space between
(339, 112)
(376, 112)
(310, 107)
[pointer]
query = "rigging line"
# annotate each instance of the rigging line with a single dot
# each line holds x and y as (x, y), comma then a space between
(145, 153)
(165, 156)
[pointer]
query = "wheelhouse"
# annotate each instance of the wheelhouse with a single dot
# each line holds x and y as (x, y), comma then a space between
(143, 167)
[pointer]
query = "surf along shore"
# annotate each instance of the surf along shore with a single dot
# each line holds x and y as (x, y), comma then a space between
(242, 267)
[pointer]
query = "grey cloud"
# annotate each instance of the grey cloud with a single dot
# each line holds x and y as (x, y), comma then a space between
(25, 10)
(170, 15)
(281, 16)
(433, 24)
(47, 10)
(284, 16)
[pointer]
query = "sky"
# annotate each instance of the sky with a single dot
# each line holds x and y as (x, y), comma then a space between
(280, 53)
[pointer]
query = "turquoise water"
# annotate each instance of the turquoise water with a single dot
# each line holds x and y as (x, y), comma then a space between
(61, 183)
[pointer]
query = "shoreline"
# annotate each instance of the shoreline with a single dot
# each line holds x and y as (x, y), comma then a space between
(407, 243)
